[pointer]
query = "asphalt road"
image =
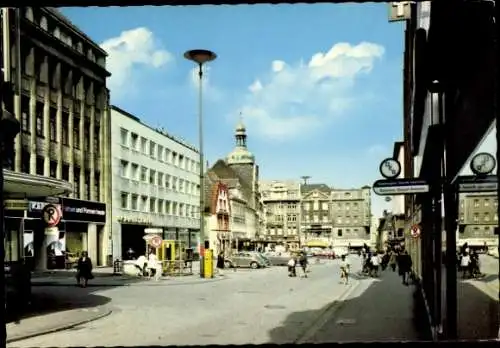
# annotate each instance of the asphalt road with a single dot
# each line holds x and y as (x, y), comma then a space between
(249, 307)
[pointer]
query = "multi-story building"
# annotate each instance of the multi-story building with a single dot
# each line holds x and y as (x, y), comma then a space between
(351, 216)
(62, 105)
(335, 217)
(316, 218)
(155, 185)
(236, 227)
(478, 219)
(281, 200)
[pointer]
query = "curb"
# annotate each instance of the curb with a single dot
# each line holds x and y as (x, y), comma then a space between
(63, 327)
(326, 314)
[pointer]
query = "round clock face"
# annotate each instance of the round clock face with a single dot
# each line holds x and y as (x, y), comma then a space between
(390, 168)
(483, 163)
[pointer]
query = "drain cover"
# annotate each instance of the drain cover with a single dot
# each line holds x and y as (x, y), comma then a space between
(274, 307)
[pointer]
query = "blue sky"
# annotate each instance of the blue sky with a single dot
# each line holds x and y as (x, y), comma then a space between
(319, 86)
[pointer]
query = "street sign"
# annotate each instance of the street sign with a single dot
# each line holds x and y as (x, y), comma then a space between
(415, 231)
(472, 183)
(390, 168)
(51, 215)
(156, 242)
(400, 187)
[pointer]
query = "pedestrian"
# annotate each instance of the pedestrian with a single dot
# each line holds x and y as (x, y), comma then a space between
(375, 263)
(84, 270)
(344, 269)
(404, 265)
(392, 260)
(220, 263)
(465, 263)
(303, 263)
(291, 267)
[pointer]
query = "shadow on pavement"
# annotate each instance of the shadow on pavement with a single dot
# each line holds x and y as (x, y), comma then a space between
(386, 310)
(56, 292)
(478, 316)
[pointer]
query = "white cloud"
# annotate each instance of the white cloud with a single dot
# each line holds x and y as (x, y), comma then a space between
(132, 49)
(297, 98)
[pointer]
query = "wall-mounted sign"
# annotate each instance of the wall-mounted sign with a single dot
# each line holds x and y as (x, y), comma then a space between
(472, 183)
(400, 187)
(390, 168)
(51, 215)
(86, 211)
(399, 11)
(483, 163)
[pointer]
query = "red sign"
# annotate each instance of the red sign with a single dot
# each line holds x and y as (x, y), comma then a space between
(51, 215)
(415, 231)
(156, 242)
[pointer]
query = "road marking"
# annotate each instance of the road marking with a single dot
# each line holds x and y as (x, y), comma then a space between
(326, 315)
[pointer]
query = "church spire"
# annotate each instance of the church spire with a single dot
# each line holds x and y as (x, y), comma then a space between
(241, 133)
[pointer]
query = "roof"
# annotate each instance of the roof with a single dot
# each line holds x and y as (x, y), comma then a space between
(57, 13)
(315, 187)
(222, 172)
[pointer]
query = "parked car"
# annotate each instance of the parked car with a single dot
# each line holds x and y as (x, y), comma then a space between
(245, 259)
(277, 260)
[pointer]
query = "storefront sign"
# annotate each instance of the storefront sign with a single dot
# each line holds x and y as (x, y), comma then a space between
(86, 211)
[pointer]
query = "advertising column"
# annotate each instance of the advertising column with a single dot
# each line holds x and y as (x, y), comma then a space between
(52, 248)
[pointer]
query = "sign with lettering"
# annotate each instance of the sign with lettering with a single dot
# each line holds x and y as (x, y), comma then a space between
(472, 183)
(396, 187)
(84, 211)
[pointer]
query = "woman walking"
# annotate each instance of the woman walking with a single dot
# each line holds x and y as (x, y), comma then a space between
(84, 270)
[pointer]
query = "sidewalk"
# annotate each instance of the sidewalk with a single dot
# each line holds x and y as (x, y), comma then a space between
(53, 322)
(376, 310)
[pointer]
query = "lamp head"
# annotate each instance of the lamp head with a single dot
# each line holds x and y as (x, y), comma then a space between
(200, 56)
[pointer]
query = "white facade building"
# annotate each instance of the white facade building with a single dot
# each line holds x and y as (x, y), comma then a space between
(155, 185)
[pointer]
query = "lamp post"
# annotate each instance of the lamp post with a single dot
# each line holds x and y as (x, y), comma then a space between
(201, 57)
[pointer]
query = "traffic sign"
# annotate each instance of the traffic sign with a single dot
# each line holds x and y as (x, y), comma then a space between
(415, 231)
(156, 242)
(472, 183)
(390, 168)
(51, 215)
(400, 187)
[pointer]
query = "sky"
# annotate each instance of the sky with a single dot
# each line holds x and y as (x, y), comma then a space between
(319, 87)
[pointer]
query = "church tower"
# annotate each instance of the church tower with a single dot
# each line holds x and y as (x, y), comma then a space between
(242, 161)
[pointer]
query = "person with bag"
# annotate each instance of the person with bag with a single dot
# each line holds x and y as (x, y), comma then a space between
(84, 270)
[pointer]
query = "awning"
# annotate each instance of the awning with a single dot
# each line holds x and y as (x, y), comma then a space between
(317, 244)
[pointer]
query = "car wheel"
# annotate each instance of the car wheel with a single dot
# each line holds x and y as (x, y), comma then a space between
(228, 264)
(254, 265)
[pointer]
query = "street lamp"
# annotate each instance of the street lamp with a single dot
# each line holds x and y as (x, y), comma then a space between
(201, 57)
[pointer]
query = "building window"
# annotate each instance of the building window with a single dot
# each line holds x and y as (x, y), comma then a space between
(152, 205)
(160, 206)
(135, 172)
(123, 168)
(144, 203)
(486, 202)
(29, 14)
(76, 133)
(174, 183)
(39, 119)
(133, 203)
(53, 169)
(181, 185)
(39, 165)
(124, 137)
(486, 217)
(144, 174)
(168, 207)
(160, 179)
(124, 200)
(134, 140)
(52, 125)
(476, 217)
(86, 136)
(76, 184)
(144, 145)
(65, 130)
(97, 139)
(476, 203)
(97, 186)
(152, 148)
(25, 114)
(25, 161)
(167, 181)
(159, 154)
(152, 177)
(339, 233)
(57, 33)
